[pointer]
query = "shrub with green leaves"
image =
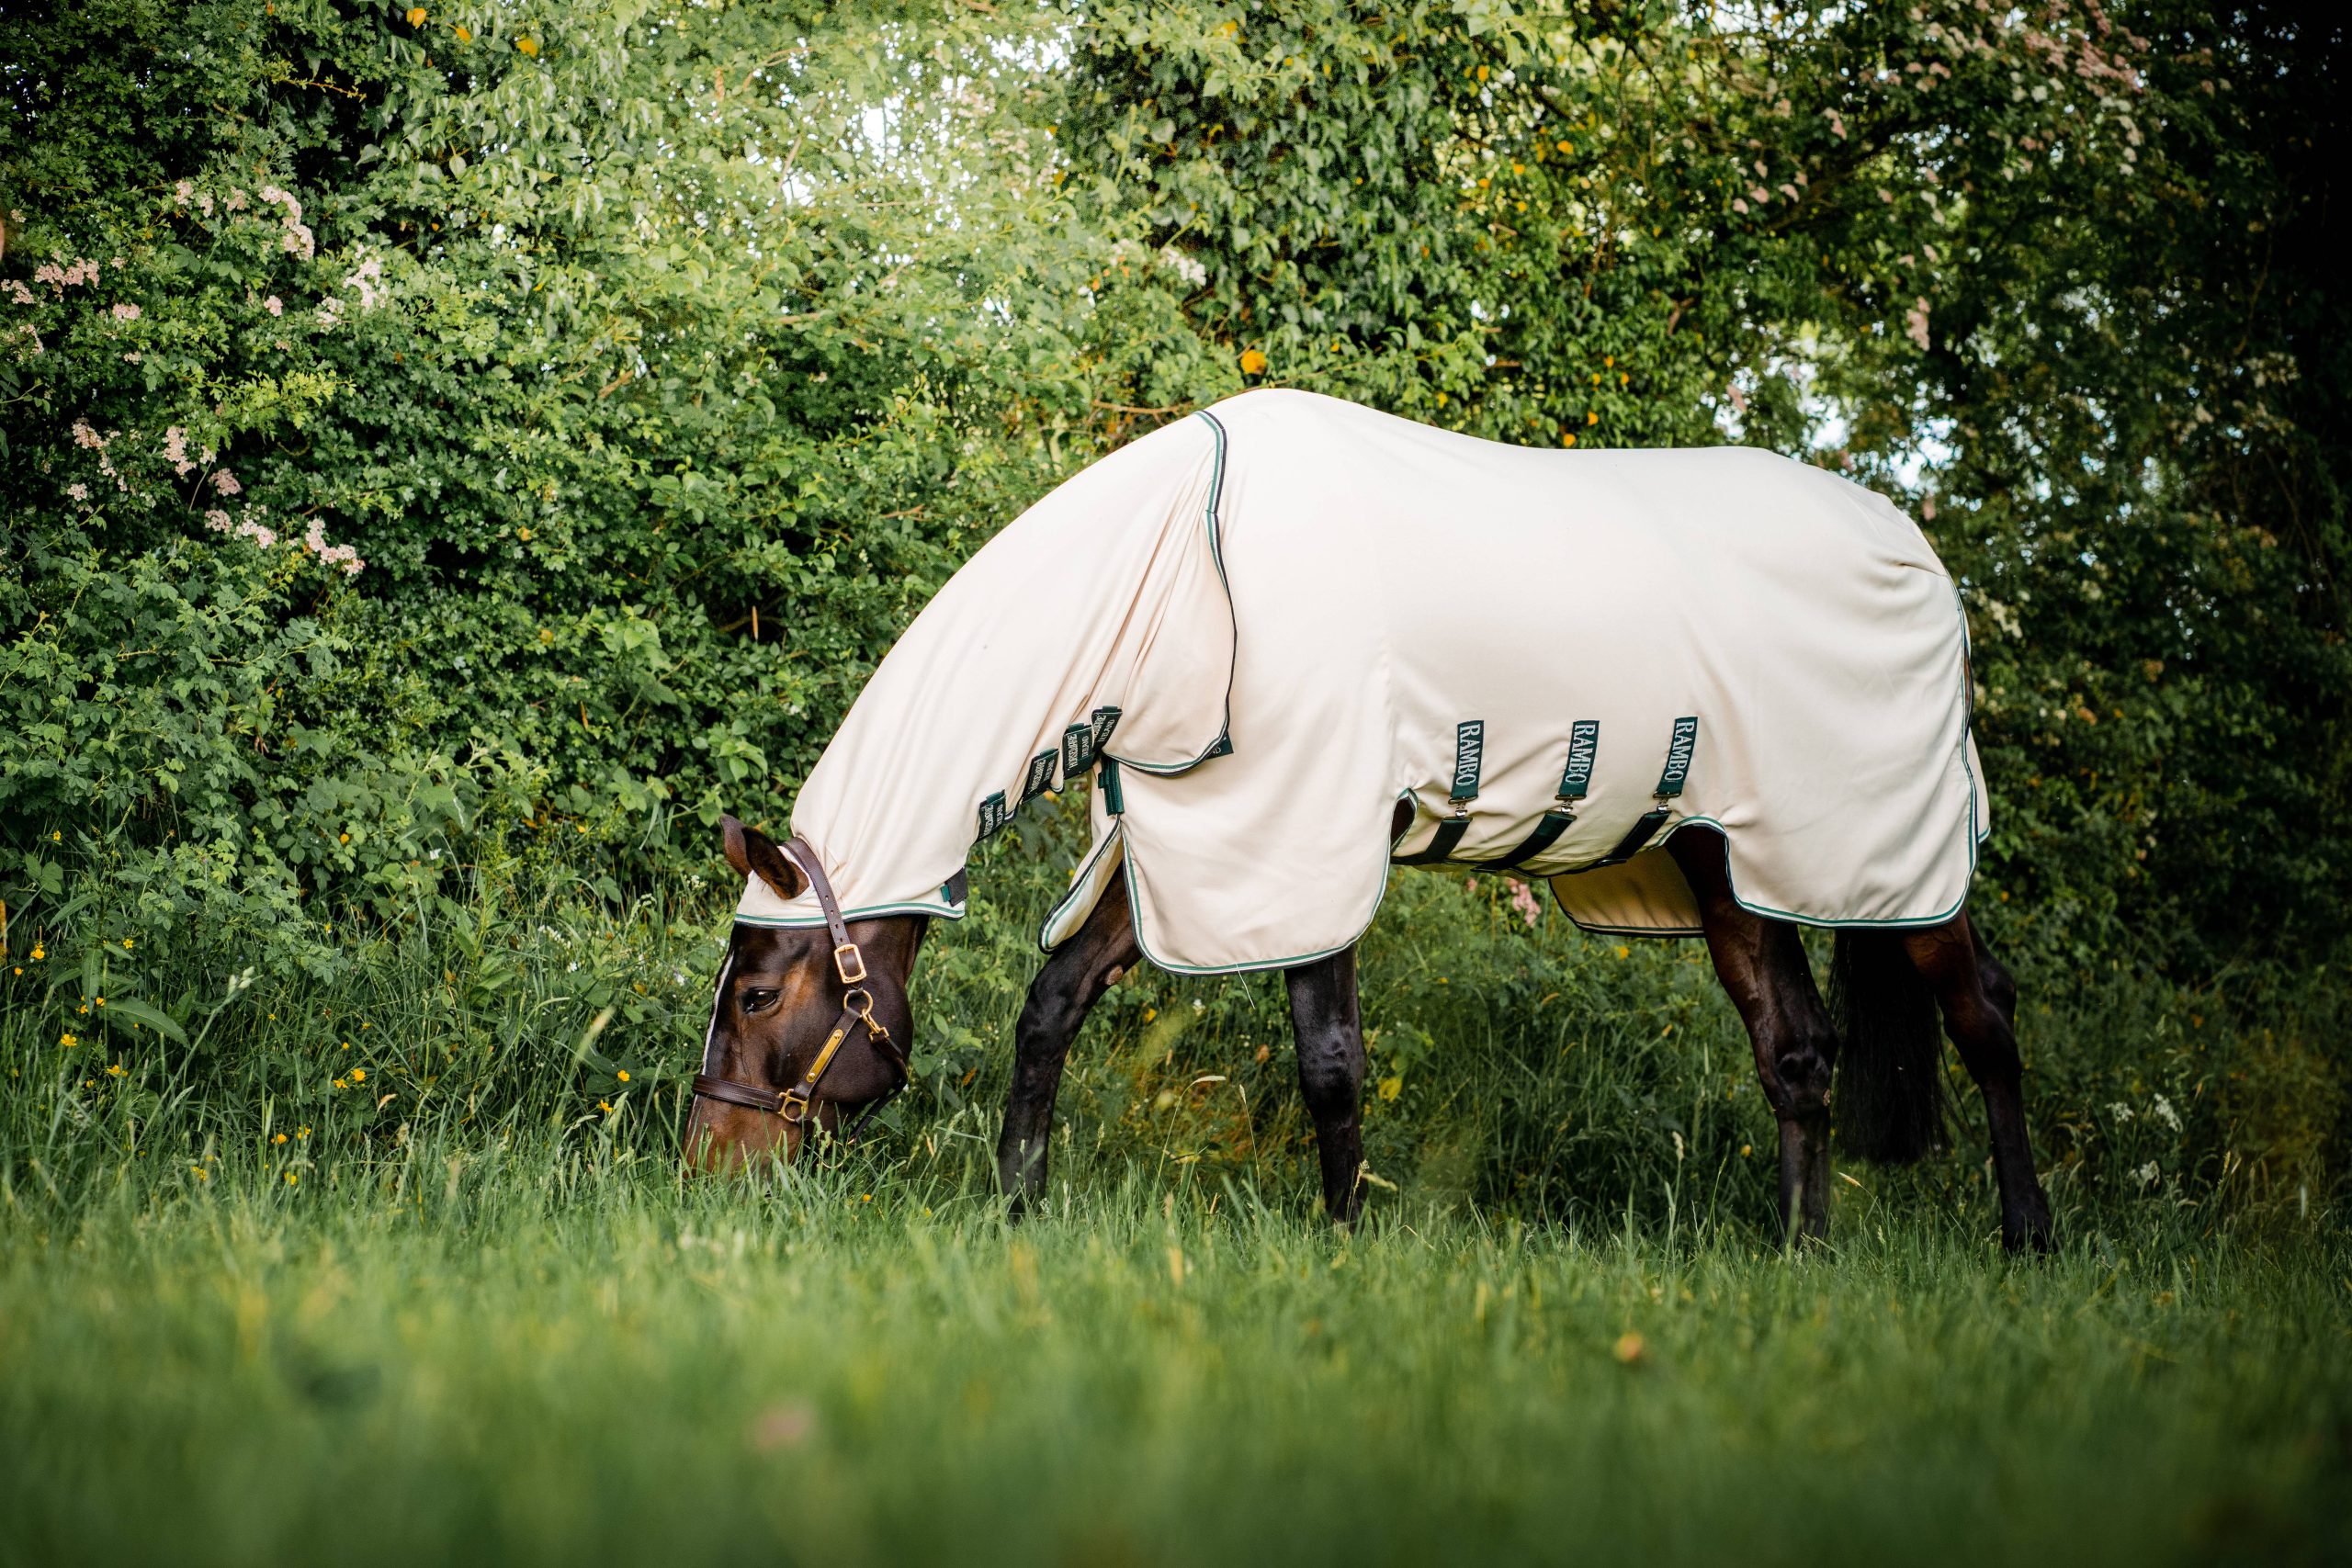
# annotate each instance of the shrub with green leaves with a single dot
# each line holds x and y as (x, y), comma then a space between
(438, 435)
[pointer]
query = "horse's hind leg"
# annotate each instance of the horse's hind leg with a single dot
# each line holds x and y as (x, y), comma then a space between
(1762, 965)
(1979, 1001)
(1329, 1029)
(1061, 996)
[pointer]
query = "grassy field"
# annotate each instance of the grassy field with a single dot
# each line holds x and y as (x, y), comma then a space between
(391, 1261)
(514, 1354)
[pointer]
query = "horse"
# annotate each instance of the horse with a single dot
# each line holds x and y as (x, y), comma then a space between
(1230, 628)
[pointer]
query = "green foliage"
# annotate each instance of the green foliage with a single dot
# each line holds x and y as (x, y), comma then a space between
(450, 430)
(464, 430)
(2058, 275)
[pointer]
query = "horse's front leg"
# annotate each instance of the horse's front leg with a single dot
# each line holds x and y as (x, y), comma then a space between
(1061, 996)
(1324, 1016)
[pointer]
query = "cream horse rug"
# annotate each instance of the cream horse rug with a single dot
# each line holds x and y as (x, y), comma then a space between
(1263, 628)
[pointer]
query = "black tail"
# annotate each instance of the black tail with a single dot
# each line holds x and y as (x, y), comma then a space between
(1889, 1099)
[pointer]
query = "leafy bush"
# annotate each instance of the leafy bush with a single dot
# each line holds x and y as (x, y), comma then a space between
(445, 438)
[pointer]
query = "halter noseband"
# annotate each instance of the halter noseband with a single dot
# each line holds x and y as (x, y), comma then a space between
(797, 1104)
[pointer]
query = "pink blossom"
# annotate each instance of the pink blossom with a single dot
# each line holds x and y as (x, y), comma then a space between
(78, 492)
(226, 482)
(84, 437)
(274, 306)
(1915, 323)
(217, 520)
(19, 293)
(1928, 507)
(126, 312)
(1739, 204)
(236, 201)
(1524, 902)
(184, 191)
(1738, 398)
(1758, 194)
(48, 272)
(298, 241)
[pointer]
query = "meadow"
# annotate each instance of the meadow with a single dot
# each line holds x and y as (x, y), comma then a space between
(452, 451)
(440, 1291)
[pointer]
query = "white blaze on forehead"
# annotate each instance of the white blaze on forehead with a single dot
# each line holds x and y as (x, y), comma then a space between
(718, 994)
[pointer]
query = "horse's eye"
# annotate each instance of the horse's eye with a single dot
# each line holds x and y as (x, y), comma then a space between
(759, 1000)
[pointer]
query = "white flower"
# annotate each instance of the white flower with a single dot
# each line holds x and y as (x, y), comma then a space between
(2120, 1110)
(2161, 1109)
(2148, 1174)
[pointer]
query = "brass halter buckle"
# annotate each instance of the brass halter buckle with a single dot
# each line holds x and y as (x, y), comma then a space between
(849, 962)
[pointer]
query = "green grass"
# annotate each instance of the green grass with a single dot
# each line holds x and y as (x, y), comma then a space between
(480, 1354)
(254, 1306)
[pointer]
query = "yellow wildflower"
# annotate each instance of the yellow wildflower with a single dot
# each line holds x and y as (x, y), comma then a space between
(116, 1069)
(301, 1131)
(604, 1106)
(100, 1000)
(40, 953)
(622, 1074)
(291, 1179)
(464, 36)
(1253, 362)
(524, 535)
(69, 1040)
(416, 15)
(279, 1139)
(527, 46)
(359, 1075)
(201, 1174)
(126, 944)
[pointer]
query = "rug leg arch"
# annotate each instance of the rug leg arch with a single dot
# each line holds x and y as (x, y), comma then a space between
(1324, 1013)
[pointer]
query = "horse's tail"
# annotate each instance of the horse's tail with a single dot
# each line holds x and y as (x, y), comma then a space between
(1889, 1099)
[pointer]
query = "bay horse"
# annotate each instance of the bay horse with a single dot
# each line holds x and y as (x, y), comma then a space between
(1228, 628)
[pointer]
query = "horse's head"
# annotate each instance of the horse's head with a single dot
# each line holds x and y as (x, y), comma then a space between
(807, 1028)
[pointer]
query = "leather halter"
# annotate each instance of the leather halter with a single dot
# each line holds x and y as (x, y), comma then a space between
(797, 1104)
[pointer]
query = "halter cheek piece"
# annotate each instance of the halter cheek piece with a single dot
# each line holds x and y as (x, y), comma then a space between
(797, 1104)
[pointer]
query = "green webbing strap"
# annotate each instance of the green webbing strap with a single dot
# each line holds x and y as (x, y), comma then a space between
(994, 815)
(1469, 756)
(1114, 801)
(1576, 780)
(1669, 785)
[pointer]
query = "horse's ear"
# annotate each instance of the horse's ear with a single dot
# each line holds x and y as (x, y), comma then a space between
(754, 854)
